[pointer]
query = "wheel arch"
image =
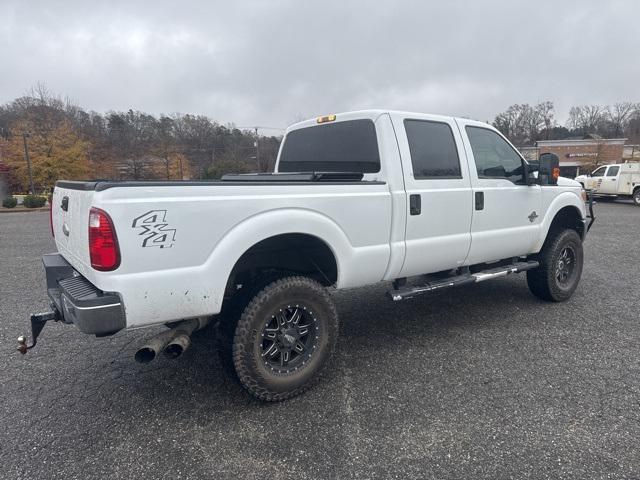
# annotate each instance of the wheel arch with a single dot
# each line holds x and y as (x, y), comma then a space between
(566, 211)
(261, 240)
(300, 253)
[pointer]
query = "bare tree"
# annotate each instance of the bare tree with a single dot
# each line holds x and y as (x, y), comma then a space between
(546, 113)
(522, 123)
(587, 118)
(618, 116)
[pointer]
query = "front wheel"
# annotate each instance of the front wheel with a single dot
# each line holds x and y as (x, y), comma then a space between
(284, 338)
(636, 196)
(561, 260)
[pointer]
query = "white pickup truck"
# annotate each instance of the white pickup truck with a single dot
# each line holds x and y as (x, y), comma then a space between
(424, 202)
(621, 180)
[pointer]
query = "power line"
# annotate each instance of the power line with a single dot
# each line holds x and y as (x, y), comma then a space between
(254, 127)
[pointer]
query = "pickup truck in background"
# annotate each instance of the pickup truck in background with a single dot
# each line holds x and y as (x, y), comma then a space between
(621, 180)
(424, 202)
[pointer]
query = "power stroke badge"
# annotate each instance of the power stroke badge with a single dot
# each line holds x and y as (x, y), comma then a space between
(155, 229)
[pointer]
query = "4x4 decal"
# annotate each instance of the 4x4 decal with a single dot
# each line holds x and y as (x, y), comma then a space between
(155, 229)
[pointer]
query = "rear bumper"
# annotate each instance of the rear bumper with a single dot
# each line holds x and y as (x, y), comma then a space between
(81, 303)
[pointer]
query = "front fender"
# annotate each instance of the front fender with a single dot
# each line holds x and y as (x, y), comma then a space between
(565, 199)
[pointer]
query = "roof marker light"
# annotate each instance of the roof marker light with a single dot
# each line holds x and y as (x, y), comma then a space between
(327, 118)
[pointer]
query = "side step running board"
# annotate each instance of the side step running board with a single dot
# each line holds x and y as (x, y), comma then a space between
(454, 281)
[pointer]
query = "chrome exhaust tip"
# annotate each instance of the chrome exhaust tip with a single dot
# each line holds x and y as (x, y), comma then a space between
(172, 342)
(154, 346)
(177, 346)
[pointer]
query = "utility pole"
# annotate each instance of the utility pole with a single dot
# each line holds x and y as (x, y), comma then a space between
(257, 149)
(26, 156)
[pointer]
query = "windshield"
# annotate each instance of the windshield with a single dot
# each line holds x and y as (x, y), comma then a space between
(349, 146)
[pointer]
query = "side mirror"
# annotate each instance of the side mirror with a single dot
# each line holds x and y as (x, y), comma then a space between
(533, 166)
(549, 165)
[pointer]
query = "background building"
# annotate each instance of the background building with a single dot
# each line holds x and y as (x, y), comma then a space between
(579, 155)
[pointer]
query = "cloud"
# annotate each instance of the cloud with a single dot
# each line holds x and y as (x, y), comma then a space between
(270, 63)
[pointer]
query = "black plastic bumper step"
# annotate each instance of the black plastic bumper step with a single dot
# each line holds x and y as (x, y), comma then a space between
(457, 280)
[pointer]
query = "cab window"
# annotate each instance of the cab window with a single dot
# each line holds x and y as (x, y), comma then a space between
(433, 149)
(613, 171)
(599, 172)
(350, 146)
(494, 157)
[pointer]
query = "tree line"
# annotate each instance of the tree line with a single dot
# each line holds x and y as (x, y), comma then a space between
(525, 124)
(65, 141)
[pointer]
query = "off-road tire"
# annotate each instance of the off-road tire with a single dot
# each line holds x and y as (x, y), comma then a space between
(636, 196)
(543, 281)
(255, 375)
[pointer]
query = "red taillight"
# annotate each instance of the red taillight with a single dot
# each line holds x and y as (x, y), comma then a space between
(103, 243)
(53, 234)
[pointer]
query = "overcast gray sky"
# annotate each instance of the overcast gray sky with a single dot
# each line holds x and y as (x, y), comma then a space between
(273, 62)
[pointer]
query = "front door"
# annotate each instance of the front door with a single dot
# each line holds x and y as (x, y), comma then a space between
(507, 212)
(594, 182)
(438, 188)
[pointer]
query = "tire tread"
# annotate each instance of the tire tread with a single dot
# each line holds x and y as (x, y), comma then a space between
(242, 336)
(541, 280)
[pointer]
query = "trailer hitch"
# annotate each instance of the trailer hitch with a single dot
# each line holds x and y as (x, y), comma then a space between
(38, 321)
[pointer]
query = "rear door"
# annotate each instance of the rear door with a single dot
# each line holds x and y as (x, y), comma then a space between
(507, 212)
(610, 180)
(438, 189)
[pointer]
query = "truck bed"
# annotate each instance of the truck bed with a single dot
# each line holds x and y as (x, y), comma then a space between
(179, 240)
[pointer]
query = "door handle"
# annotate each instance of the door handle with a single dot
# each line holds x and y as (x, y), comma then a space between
(479, 200)
(415, 204)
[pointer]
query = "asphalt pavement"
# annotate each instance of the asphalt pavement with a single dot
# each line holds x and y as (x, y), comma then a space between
(479, 382)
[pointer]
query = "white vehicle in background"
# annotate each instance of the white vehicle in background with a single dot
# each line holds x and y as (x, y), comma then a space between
(621, 180)
(424, 202)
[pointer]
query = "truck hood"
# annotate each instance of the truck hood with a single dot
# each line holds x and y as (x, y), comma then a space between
(567, 182)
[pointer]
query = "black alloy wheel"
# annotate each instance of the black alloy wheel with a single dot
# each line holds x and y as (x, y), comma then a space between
(289, 338)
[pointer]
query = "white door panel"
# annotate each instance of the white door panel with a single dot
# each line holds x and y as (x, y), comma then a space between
(507, 213)
(437, 241)
(504, 228)
(610, 180)
(594, 182)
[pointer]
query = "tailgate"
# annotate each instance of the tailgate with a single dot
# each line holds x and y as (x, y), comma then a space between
(70, 219)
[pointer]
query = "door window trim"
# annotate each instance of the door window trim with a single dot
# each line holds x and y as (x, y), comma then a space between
(455, 144)
(523, 162)
(617, 167)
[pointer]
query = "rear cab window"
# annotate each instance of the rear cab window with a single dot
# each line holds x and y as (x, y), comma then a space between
(348, 146)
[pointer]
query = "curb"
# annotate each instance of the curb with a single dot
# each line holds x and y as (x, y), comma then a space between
(20, 210)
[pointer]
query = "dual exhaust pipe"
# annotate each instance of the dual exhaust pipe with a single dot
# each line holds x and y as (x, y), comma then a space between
(172, 342)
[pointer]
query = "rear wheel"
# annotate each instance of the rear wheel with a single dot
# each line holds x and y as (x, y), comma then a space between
(284, 338)
(636, 196)
(561, 261)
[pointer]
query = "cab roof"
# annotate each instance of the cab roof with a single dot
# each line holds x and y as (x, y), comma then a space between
(373, 114)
